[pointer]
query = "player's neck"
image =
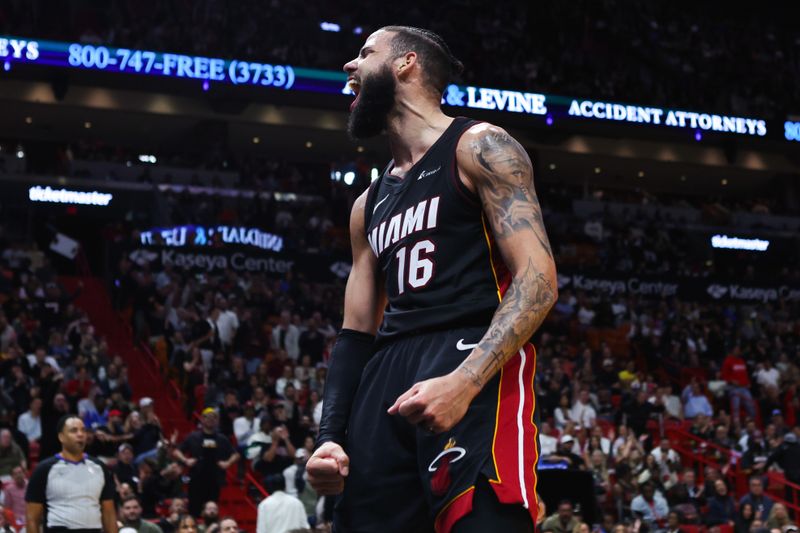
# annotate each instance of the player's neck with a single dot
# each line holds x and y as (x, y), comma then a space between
(414, 125)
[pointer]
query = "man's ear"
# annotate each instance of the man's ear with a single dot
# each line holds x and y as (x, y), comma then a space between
(406, 63)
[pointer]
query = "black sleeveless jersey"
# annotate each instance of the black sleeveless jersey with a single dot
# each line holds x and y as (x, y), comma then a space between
(433, 245)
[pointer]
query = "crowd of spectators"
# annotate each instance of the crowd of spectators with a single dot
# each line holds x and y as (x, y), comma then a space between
(685, 56)
(250, 352)
(256, 348)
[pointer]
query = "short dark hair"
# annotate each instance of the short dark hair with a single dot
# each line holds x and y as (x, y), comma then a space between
(440, 65)
(130, 497)
(274, 482)
(63, 421)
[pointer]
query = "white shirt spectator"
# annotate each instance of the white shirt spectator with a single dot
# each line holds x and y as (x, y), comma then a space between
(317, 413)
(280, 385)
(280, 512)
(547, 444)
(768, 378)
(585, 316)
(583, 414)
(30, 425)
(227, 324)
(49, 359)
(291, 338)
(664, 458)
(244, 428)
(561, 416)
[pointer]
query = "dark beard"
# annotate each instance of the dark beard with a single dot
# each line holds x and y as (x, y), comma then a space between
(375, 100)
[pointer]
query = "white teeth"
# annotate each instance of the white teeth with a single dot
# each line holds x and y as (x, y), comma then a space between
(354, 85)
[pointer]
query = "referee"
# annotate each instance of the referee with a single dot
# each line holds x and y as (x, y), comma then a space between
(71, 491)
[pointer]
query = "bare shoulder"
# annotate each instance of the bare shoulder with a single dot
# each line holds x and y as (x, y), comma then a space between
(357, 220)
(486, 150)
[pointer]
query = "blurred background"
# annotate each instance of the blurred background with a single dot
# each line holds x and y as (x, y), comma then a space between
(175, 186)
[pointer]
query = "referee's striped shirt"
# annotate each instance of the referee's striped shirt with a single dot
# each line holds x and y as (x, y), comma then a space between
(71, 492)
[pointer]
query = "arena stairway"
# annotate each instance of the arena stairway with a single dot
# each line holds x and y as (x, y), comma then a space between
(146, 378)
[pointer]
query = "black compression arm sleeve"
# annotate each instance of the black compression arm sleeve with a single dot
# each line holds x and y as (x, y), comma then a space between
(349, 357)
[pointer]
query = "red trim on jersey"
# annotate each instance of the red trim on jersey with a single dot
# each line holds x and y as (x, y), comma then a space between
(458, 508)
(501, 272)
(514, 448)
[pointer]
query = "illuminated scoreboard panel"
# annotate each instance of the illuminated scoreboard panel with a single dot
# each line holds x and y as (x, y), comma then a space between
(548, 109)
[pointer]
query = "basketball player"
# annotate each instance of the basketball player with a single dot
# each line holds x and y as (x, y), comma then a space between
(429, 426)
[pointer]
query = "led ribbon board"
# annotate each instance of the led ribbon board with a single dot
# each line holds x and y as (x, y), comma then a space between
(192, 235)
(209, 70)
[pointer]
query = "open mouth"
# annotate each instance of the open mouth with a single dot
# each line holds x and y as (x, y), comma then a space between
(356, 88)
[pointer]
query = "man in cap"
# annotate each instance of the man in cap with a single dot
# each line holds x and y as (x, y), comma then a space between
(565, 455)
(787, 456)
(210, 454)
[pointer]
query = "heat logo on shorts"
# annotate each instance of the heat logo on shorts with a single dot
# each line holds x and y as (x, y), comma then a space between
(440, 466)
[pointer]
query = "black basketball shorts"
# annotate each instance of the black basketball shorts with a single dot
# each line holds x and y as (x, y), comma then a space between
(406, 479)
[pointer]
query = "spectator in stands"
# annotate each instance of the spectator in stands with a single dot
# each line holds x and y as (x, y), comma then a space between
(280, 511)
(112, 434)
(745, 518)
(670, 402)
(145, 428)
(762, 504)
(767, 375)
(695, 494)
(209, 516)
(228, 525)
(651, 505)
(294, 474)
(286, 336)
(721, 507)
(787, 456)
(227, 323)
(547, 443)
(735, 374)
(14, 494)
(80, 386)
(11, 455)
(30, 422)
(562, 412)
(779, 517)
(562, 521)
(582, 411)
(94, 409)
(695, 401)
(125, 471)
(665, 456)
(565, 455)
(598, 465)
(246, 425)
(703, 427)
(673, 522)
(185, 524)
(278, 455)
(131, 514)
(637, 412)
(174, 521)
(210, 455)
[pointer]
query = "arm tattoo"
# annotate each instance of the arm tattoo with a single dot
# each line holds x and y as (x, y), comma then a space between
(523, 309)
(507, 194)
(505, 185)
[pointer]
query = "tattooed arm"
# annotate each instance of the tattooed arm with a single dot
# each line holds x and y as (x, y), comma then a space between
(496, 167)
